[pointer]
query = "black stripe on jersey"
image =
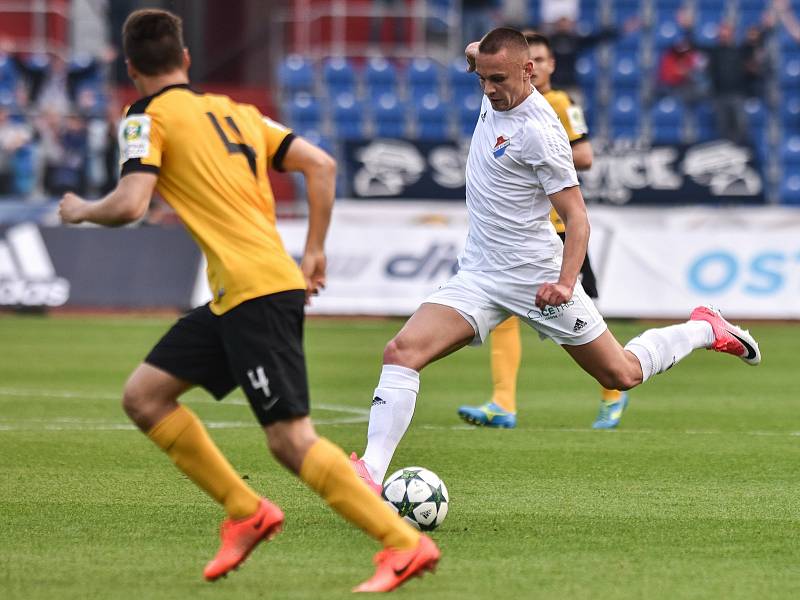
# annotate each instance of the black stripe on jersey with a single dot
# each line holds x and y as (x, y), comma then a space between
(135, 165)
(138, 107)
(277, 160)
(583, 138)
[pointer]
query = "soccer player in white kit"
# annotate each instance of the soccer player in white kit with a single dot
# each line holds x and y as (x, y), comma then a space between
(513, 262)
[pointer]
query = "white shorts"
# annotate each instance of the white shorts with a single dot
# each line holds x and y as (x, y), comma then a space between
(487, 298)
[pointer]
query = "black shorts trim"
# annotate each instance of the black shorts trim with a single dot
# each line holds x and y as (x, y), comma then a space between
(588, 280)
(257, 345)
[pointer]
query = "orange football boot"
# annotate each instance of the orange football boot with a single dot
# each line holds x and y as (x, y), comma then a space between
(397, 566)
(241, 536)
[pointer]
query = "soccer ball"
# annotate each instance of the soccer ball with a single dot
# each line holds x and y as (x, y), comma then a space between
(418, 495)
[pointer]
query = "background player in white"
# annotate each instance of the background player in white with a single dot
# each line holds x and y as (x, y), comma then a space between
(514, 263)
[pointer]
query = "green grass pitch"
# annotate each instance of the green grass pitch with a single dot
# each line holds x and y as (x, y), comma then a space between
(697, 495)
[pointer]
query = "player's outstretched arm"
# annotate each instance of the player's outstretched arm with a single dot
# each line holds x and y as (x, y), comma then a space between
(319, 170)
(125, 204)
(571, 208)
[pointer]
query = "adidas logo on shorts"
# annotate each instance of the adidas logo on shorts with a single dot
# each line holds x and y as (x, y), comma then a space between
(578, 325)
(376, 401)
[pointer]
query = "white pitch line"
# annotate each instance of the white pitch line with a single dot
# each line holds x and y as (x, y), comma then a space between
(356, 414)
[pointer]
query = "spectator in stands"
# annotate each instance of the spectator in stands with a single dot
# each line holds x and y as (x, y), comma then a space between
(680, 72)
(384, 11)
(53, 84)
(477, 18)
(783, 13)
(14, 137)
(567, 43)
(757, 64)
(728, 76)
(65, 150)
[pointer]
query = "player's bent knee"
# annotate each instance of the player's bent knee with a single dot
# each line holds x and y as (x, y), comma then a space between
(619, 380)
(398, 352)
(289, 442)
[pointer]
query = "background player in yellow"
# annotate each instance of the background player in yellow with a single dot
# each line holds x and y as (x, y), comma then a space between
(506, 347)
(208, 157)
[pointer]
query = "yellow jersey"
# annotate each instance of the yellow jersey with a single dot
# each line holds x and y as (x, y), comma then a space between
(211, 156)
(571, 117)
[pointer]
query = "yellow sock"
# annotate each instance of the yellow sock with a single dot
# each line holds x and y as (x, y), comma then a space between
(182, 436)
(506, 355)
(610, 395)
(328, 472)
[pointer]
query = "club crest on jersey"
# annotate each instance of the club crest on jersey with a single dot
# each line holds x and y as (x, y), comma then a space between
(500, 146)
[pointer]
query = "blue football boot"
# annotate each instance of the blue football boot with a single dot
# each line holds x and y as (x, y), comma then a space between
(610, 413)
(488, 415)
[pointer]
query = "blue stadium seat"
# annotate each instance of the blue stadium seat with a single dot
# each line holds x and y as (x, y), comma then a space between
(706, 29)
(431, 118)
(461, 82)
(296, 74)
(624, 10)
(390, 117)
(790, 114)
(469, 107)
(380, 77)
(305, 112)
(717, 6)
(790, 189)
(667, 118)
(625, 117)
(705, 122)
(790, 74)
(586, 69)
(348, 117)
(667, 33)
(756, 113)
(625, 73)
(423, 77)
(790, 152)
(339, 76)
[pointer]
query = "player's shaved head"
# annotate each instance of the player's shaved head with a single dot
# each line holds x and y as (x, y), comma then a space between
(153, 41)
(503, 38)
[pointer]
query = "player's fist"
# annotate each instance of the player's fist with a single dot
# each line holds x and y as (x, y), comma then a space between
(552, 294)
(313, 267)
(70, 209)
(471, 52)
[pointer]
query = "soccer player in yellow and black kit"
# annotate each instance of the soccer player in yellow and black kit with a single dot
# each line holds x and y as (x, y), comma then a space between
(208, 157)
(501, 411)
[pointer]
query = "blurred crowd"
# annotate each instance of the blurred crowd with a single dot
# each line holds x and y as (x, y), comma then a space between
(57, 129)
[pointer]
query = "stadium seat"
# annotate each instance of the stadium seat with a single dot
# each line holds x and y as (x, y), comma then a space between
(296, 74)
(461, 82)
(305, 112)
(469, 108)
(390, 117)
(705, 122)
(790, 190)
(339, 76)
(790, 74)
(423, 77)
(431, 118)
(790, 114)
(756, 113)
(625, 117)
(667, 33)
(790, 151)
(667, 118)
(586, 69)
(380, 77)
(625, 74)
(625, 10)
(348, 117)
(8, 74)
(706, 30)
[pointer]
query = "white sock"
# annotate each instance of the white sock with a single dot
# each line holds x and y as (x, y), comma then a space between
(389, 418)
(659, 349)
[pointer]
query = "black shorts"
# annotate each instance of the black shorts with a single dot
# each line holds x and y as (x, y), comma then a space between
(588, 280)
(257, 345)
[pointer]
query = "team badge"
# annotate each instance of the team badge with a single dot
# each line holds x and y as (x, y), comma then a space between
(500, 146)
(134, 137)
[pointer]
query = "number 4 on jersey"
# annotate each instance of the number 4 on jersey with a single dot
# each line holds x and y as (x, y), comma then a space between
(235, 147)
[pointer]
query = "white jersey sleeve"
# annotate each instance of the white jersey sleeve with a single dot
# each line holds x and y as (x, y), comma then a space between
(547, 151)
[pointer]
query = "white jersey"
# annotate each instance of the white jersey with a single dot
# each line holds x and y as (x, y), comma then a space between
(517, 158)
